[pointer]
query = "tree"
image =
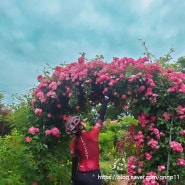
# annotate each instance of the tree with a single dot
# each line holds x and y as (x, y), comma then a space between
(181, 64)
(4, 112)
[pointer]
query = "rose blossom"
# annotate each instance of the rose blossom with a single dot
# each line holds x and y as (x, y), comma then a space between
(167, 116)
(150, 181)
(131, 165)
(176, 146)
(140, 164)
(182, 132)
(123, 97)
(161, 168)
(81, 60)
(141, 88)
(54, 131)
(33, 130)
(153, 144)
(39, 77)
(48, 132)
(38, 112)
(148, 156)
(139, 138)
(139, 170)
(181, 162)
(28, 139)
(49, 115)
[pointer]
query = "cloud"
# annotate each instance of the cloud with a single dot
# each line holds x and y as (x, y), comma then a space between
(35, 32)
(146, 4)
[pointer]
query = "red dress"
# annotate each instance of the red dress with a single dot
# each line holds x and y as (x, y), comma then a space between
(88, 149)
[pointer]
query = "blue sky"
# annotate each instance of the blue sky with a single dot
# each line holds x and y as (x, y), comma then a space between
(33, 33)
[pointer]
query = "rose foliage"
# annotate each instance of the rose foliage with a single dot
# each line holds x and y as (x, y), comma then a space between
(152, 94)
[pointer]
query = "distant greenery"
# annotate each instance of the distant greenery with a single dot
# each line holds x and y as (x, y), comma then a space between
(4, 122)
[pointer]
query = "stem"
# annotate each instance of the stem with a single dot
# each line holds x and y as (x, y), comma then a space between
(168, 160)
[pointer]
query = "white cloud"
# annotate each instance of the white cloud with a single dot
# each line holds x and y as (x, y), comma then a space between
(35, 32)
(146, 4)
(93, 18)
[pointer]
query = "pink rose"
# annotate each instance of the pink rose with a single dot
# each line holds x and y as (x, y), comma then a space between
(161, 168)
(28, 139)
(39, 78)
(81, 60)
(176, 146)
(38, 112)
(181, 162)
(49, 115)
(123, 97)
(55, 132)
(33, 130)
(48, 132)
(167, 116)
(148, 156)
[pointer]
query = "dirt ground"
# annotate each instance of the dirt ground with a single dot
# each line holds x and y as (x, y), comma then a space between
(121, 182)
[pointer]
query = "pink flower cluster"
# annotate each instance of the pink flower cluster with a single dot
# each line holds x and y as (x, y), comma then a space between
(153, 144)
(151, 179)
(181, 112)
(176, 146)
(140, 165)
(81, 74)
(177, 81)
(181, 162)
(131, 165)
(38, 112)
(54, 131)
(182, 132)
(139, 138)
(153, 96)
(145, 119)
(134, 167)
(33, 130)
(167, 116)
(155, 131)
(148, 156)
(161, 168)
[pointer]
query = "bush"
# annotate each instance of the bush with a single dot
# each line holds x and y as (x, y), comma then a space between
(48, 163)
(17, 162)
(107, 144)
(154, 95)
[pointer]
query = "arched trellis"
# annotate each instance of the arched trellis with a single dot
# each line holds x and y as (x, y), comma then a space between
(152, 94)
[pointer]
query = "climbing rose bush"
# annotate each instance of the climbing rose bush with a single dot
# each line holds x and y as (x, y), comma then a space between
(152, 94)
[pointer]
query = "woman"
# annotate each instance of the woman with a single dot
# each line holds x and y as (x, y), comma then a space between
(85, 149)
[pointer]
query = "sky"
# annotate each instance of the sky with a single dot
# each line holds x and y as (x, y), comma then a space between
(36, 33)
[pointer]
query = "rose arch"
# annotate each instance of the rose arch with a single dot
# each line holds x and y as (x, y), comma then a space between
(152, 94)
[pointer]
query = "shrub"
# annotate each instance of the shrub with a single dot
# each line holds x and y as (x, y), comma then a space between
(153, 95)
(17, 163)
(107, 144)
